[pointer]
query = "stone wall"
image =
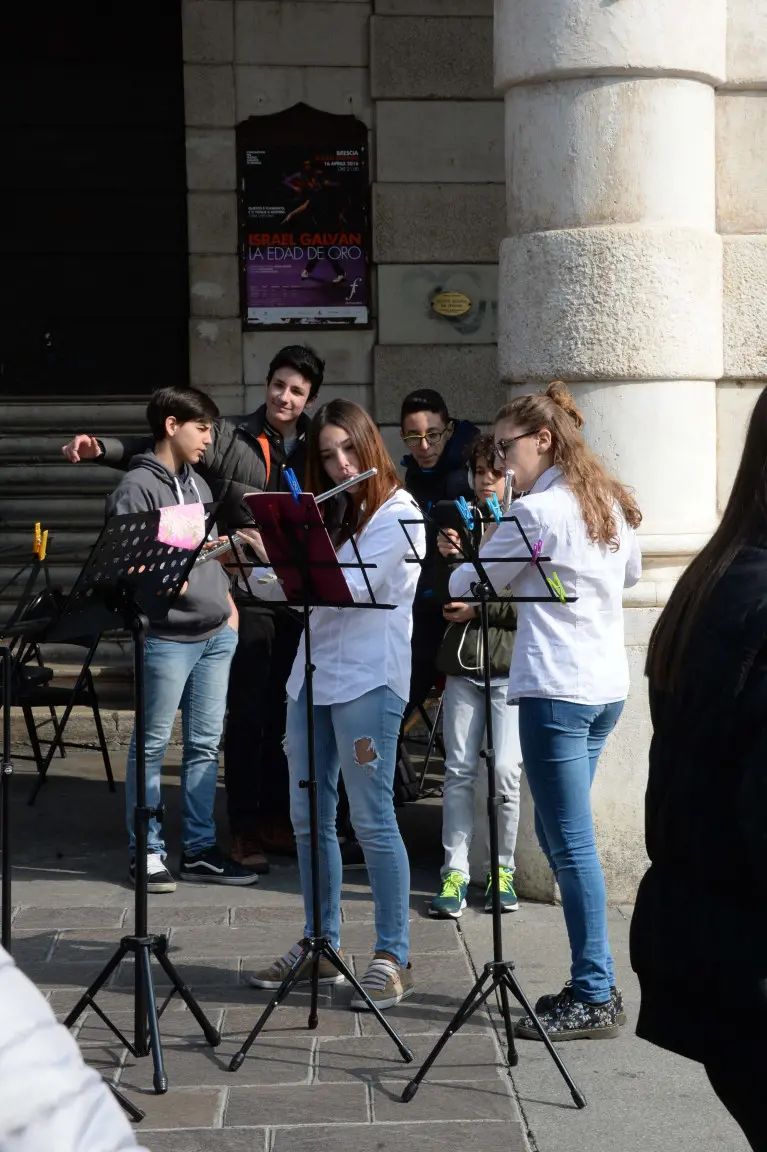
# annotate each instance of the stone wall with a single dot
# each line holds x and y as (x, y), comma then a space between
(419, 74)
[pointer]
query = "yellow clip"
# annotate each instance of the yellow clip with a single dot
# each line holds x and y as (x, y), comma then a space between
(43, 545)
(38, 539)
(555, 584)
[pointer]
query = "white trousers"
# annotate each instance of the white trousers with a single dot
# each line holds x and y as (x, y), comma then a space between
(464, 735)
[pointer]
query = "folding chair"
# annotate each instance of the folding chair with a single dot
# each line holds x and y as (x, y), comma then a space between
(33, 686)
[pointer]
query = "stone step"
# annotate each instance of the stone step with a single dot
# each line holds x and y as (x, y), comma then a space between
(41, 415)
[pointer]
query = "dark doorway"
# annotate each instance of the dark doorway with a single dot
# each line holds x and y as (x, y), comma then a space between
(94, 295)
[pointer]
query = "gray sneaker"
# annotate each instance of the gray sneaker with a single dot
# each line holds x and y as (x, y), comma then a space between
(273, 976)
(385, 983)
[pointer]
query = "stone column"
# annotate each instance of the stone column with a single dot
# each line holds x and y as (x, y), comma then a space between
(611, 279)
(741, 155)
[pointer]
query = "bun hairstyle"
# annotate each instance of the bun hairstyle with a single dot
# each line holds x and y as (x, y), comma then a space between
(596, 491)
(558, 392)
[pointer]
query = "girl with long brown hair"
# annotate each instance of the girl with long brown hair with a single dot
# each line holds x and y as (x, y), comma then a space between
(362, 662)
(698, 935)
(568, 670)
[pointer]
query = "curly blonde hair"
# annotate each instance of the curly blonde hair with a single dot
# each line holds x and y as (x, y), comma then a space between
(596, 491)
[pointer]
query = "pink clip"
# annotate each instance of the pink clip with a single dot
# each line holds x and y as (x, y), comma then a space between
(537, 549)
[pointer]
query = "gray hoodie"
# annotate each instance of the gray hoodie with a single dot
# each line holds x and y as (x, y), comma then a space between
(203, 609)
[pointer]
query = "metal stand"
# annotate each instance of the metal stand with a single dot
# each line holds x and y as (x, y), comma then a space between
(142, 945)
(498, 974)
(127, 1105)
(315, 947)
(133, 575)
(5, 801)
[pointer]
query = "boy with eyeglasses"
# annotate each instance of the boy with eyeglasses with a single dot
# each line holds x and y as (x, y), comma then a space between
(435, 469)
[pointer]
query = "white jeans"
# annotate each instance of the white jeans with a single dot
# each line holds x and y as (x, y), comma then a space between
(464, 735)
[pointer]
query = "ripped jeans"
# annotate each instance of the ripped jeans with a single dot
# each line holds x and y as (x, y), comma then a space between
(359, 738)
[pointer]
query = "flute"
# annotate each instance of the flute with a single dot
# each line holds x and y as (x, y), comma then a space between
(507, 492)
(226, 545)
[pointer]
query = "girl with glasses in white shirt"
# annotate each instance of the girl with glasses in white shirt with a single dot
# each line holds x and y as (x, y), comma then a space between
(568, 670)
(362, 674)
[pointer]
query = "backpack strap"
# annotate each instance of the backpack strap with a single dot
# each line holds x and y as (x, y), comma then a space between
(263, 440)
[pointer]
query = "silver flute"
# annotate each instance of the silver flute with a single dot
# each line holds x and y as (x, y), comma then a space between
(226, 545)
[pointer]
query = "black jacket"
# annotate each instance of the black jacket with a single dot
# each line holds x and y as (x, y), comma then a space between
(448, 481)
(234, 462)
(699, 930)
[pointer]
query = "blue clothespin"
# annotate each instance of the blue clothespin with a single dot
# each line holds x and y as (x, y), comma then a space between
(466, 513)
(494, 508)
(293, 484)
(537, 549)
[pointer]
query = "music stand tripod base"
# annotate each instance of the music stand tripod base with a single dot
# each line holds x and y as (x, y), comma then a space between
(132, 576)
(498, 974)
(303, 556)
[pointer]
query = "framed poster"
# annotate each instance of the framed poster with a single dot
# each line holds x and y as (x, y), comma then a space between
(304, 212)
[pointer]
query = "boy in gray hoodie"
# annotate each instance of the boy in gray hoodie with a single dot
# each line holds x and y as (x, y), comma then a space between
(187, 656)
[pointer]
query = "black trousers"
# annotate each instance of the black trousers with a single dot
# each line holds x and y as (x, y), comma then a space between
(428, 629)
(255, 770)
(739, 1077)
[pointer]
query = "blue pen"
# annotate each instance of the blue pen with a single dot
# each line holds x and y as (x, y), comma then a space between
(293, 484)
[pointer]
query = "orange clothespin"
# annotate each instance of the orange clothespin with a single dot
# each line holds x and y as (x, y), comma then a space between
(43, 546)
(37, 539)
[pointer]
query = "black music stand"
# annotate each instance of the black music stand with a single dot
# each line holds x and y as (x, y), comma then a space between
(133, 577)
(6, 768)
(303, 557)
(497, 974)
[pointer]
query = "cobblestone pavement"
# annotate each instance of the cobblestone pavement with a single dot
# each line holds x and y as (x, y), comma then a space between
(338, 1087)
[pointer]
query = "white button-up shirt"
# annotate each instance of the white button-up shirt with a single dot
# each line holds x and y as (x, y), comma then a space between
(355, 650)
(572, 651)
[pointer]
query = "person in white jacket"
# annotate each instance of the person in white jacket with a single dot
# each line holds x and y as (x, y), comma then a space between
(361, 680)
(49, 1098)
(568, 670)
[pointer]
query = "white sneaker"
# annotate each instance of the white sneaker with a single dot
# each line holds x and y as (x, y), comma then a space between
(159, 878)
(385, 983)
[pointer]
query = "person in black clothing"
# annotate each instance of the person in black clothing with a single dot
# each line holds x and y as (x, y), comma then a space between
(250, 454)
(699, 934)
(435, 469)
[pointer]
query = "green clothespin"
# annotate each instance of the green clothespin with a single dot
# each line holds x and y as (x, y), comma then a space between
(555, 584)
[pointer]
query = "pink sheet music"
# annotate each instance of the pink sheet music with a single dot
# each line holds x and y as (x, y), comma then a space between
(182, 526)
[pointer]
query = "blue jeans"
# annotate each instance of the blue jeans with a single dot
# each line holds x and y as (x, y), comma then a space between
(195, 676)
(359, 738)
(561, 744)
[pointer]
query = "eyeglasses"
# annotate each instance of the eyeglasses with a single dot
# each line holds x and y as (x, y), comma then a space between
(431, 437)
(501, 447)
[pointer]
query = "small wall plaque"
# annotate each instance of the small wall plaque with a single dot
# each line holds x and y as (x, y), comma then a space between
(451, 304)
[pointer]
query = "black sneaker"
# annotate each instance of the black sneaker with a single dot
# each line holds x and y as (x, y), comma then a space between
(158, 877)
(544, 1003)
(211, 866)
(352, 856)
(571, 1019)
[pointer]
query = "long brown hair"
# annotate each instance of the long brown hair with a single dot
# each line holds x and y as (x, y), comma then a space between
(596, 491)
(744, 521)
(371, 453)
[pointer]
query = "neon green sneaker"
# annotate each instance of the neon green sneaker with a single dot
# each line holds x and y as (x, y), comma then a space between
(509, 902)
(450, 901)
